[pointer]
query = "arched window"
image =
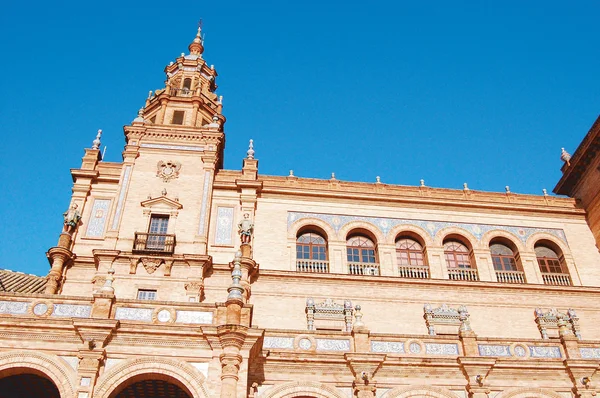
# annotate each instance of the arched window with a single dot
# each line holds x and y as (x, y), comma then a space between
(361, 249)
(311, 246)
(409, 252)
(548, 260)
(457, 254)
(187, 84)
(362, 256)
(503, 257)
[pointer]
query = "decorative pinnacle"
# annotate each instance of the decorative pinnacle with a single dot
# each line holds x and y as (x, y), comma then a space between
(250, 152)
(96, 142)
(291, 173)
(236, 289)
(140, 116)
(507, 188)
(378, 180)
(465, 186)
(108, 287)
(197, 45)
(545, 192)
(422, 182)
(565, 156)
(358, 317)
(333, 176)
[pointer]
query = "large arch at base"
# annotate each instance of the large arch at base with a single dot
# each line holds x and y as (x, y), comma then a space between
(38, 363)
(419, 392)
(133, 370)
(526, 392)
(299, 389)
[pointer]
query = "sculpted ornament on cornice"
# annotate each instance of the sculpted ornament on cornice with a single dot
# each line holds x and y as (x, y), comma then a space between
(151, 264)
(168, 170)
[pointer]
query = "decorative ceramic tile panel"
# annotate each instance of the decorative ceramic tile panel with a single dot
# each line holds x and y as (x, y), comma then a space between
(590, 353)
(333, 345)
(98, 217)
(494, 350)
(544, 352)
(134, 314)
(173, 147)
(278, 342)
(126, 175)
(204, 203)
(441, 349)
(72, 311)
(337, 222)
(387, 346)
(224, 226)
(13, 307)
(195, 317)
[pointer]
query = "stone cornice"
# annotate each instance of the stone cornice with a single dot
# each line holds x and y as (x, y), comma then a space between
(583, 156)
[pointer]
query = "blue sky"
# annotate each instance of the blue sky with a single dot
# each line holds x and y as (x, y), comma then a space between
(451, 92)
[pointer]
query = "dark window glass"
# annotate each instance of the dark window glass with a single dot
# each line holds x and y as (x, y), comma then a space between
(178, 117)
(457, 255)
(548, 260)
(503, 257)
(360, 249)
(311, 246)
(409, 252)
(145, 294)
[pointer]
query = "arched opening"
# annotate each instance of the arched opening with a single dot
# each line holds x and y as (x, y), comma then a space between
(151, 385)
(506, 261)
(552, 263)
(311, 251)
(187, 86)
(27, 383)
(410, 255)
(361, 253)
(459, 259)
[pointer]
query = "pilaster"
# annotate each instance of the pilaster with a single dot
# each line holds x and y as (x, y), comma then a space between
(437, 262)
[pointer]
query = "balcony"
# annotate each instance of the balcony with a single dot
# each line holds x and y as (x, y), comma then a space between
(413, 272)
(315, 266)
(510, 276)
(181, 92)
(371, 269)
(462, 274)
(153, 243)
(556, 279)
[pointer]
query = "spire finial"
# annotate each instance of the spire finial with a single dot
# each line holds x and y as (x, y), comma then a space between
(96, 142)
(250, 152)
(140, 116)
(197, 45)
(565, 156)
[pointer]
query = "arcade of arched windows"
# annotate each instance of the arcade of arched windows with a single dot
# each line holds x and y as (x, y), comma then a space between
(495, 258)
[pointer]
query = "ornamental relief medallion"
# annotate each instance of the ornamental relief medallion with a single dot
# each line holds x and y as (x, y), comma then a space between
(168, 170)
(151, 264)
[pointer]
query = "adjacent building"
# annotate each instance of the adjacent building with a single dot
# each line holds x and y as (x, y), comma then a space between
(174, 277)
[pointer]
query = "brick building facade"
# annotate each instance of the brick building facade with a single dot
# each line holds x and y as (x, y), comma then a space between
(174, 277)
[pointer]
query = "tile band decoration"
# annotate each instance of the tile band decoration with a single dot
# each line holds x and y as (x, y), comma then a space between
(98, 217)
(204, 203)
(333, 345)
(117, 216)
(396, 347)
(13, 307)
(224, 226)
(71, 311)
(385, 225)
(494, 350)
(279, 342)
(590, 352)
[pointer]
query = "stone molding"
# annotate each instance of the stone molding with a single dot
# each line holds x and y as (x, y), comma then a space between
(56, 369)
(183, 372)
(526, 392)
(302, 388)
(419, 391)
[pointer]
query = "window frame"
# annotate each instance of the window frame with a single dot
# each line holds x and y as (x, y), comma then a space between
(412, 262)
(311, 246)
(454, 254)
(150, 292)
(361, 252)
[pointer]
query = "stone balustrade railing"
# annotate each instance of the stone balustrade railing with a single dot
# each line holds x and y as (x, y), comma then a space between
(318, 266)
(463, 274)
(413, 272)
(510, 276)
(556, 279)
(371, 269)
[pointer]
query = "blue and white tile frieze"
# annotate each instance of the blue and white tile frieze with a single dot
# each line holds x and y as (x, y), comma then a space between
(13, 307)
(279, 342)
(441, 349)
(494, 350)
(387, 346)
(385, 225)
(195, 317)
(72, 310)
(134, 314)
(333, 345)
(544, 352)
(98, 217)
(590, 353)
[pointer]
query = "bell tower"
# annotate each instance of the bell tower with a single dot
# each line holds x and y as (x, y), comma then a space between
(148, 216)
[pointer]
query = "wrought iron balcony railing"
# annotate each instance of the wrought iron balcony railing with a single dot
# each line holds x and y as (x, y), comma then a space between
(463, 274)
(318, 266)
(510, 276)
(556, 279)
(363, 269)
(153, 243)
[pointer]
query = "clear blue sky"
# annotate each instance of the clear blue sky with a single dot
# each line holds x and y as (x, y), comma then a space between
(451, 92)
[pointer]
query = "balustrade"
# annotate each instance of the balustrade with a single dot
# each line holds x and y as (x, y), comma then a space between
(462, 274)
(413, 272)
(556, 279)
(363, 269)
(318, 266)
(153, 243)
(510, 276)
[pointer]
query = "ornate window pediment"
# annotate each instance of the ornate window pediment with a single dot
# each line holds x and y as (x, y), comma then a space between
(162, 205)
(552, 320)
(329, 315)
(446, 320)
